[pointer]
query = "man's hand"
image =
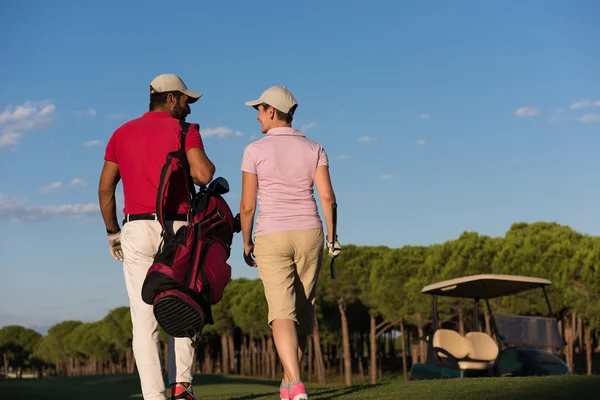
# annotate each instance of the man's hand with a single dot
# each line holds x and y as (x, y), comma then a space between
(334, 249)
(114, 245)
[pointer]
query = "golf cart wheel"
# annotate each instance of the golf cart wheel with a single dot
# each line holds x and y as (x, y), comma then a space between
(179, 315)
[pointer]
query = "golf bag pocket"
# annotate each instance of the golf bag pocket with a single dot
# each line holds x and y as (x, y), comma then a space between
(171, 264)
(215, 273)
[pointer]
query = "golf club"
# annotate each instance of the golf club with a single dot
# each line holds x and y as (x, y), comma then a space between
(219, 186)
(333, 236)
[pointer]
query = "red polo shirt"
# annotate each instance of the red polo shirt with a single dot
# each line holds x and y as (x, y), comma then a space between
(140, 148)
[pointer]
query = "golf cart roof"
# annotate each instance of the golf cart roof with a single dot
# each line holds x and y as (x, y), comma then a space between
(484, 286)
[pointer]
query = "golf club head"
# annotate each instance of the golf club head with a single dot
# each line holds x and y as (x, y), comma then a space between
(219, 186)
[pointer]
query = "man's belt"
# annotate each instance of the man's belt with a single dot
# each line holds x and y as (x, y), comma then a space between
(152, 216)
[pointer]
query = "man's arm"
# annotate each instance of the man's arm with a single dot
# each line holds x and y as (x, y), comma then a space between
(109, 179)
(248, 206)
(202, 169)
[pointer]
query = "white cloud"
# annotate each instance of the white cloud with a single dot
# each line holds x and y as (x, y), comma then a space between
(29, 116)
(17, 210)
(54, 186)
(89, 111)
(48, 109)
(77, 182)
(90, 143)
(19, 113)
(51, 187)
(420, 142)
(588, 118)
(386, 176)
(342, 157)
(584, 104)
(424, 116)
(8, 139)
(252, 137)
(307, 127)
(366, 139)
(527, 112)
(220, 132)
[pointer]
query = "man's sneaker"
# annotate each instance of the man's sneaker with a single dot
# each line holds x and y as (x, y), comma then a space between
(181, 392)
(284, 391)
(297, 391)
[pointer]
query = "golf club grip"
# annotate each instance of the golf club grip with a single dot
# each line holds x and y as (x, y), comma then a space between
(333, 236)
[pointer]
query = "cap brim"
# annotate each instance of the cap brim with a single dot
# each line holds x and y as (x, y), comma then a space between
(254, 103)
(192, 95)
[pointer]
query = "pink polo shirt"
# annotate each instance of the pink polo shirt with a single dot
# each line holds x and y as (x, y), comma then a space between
(285, 162)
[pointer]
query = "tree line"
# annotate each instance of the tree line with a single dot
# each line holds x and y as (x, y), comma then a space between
(368, 320)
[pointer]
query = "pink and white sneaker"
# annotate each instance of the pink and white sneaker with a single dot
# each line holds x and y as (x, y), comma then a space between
(297, 391)
(284, 393)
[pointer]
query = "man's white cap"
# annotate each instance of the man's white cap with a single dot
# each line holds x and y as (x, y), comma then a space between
(171, 82)
(277, 96)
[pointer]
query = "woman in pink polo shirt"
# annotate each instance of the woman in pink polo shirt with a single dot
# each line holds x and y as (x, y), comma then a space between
(280, 170)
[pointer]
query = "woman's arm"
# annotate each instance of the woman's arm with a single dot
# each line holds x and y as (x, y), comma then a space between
(326, 195)
(248, 207)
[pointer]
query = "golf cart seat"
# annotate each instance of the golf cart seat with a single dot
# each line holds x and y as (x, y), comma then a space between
(474, 351)
(447, 343)
(483, 351)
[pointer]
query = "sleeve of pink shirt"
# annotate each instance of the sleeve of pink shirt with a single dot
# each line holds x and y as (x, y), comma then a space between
(323, 160)
(248, 164)
(193, 138)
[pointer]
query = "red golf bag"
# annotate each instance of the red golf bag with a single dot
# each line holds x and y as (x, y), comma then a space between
(190, 270)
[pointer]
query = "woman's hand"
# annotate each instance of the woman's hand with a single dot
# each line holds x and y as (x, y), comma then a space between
(249, 254)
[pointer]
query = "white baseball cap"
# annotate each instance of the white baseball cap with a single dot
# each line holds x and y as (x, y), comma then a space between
(171, 82)
(277, 96)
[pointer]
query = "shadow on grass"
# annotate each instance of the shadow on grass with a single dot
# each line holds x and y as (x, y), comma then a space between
(521, 388)
(207, 379)
(326, 394)
(568, 388)
(114, 387)
(317, 394)
(254, 396)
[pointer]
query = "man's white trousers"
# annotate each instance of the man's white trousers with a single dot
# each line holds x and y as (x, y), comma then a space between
(140, 240)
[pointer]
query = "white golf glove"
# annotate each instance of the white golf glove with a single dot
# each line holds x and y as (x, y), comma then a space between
(334, 249)
(114, 245)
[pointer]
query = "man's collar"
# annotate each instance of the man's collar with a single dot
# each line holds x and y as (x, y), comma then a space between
(157, 114)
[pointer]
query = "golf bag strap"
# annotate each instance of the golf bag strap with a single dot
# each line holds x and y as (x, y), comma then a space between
(165, 176)
(189, 183)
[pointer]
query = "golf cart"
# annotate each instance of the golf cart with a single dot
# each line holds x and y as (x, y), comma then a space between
(524, 345)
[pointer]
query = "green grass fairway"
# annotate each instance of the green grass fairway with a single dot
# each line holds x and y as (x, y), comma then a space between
(240, 388)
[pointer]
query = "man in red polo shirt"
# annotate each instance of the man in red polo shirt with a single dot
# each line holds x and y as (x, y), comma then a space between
(135, 154)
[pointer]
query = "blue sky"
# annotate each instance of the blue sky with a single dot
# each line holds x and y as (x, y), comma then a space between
(438, 117)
